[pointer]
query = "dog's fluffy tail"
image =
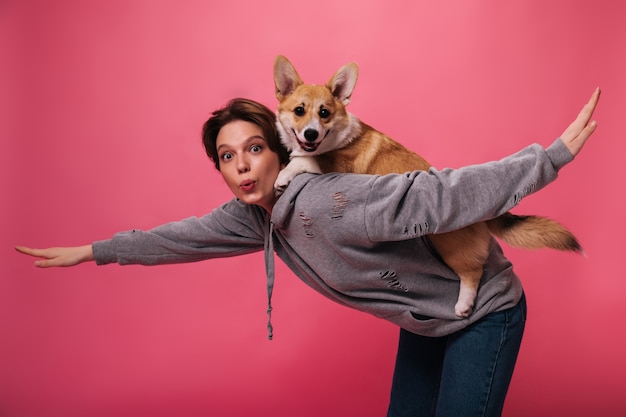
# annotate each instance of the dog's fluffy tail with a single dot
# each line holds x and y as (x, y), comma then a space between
(533, 232)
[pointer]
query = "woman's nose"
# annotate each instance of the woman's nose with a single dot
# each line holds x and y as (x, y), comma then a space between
(243, 166)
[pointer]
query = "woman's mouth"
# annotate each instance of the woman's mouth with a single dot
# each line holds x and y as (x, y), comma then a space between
(247, 185)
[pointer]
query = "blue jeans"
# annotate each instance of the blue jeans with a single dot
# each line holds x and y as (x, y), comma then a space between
(465, 374)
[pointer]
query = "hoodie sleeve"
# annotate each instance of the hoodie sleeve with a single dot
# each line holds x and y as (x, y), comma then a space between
(232, 229)
(442, 201)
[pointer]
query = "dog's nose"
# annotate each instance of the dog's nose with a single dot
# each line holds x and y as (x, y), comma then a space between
(310, 135)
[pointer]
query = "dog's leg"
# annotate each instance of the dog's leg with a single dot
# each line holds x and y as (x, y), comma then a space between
(297, 165)
(465, 251)
(467, 292)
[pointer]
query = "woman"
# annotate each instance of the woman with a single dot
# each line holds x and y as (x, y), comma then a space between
(361, 241)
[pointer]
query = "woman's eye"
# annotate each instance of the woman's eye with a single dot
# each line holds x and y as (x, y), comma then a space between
(324, 113)
(226, 157)
(256, 148)
(299, 111)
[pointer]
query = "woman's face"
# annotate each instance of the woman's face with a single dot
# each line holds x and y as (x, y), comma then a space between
(247, 164)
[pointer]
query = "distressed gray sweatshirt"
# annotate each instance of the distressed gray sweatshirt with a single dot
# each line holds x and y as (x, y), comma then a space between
(361, 240)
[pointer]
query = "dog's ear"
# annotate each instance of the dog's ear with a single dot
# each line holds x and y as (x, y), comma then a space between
(341, 85)
(286, 78)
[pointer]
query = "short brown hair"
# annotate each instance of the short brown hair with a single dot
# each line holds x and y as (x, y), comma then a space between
(248, 111)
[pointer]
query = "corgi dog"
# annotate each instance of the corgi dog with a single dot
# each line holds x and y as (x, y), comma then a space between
(323, 137)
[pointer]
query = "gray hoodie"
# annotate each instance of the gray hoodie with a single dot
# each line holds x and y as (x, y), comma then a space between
(361, 240)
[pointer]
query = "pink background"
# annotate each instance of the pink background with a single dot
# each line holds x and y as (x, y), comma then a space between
(101, 110)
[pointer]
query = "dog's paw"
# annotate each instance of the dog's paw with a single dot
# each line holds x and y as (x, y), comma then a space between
(465, 303)
(463, 309)
(282, 181)
(279, 190)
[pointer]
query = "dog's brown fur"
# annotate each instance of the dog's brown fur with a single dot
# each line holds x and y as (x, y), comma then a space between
(323, 137)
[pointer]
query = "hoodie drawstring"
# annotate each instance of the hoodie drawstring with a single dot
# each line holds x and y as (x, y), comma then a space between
(269, 272)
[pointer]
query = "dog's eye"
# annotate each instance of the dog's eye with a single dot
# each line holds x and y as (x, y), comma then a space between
(299, 111)
(324, 113)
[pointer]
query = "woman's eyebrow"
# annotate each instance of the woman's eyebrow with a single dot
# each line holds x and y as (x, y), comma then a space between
(255, 137)
(245, 142)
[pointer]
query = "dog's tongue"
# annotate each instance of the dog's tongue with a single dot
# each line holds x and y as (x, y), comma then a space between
(309, 147)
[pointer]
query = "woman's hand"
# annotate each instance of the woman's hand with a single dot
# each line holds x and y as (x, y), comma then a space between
(581, 129)
(66, 256)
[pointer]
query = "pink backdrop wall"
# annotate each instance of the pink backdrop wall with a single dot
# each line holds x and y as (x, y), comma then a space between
(101, 109)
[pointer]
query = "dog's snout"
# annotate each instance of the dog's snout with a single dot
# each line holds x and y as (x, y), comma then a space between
(311, 134)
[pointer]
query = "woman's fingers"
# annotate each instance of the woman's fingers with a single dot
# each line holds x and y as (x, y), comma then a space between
(61, 256)
(581, 129)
